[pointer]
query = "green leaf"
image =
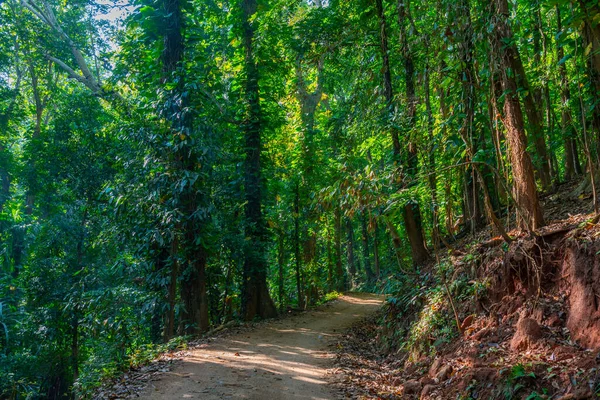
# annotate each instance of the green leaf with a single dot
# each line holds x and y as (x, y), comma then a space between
(565, 59)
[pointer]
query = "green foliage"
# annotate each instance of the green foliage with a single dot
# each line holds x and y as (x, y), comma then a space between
(331, 296)
(124, 176)
(516, 380)
(433, 327)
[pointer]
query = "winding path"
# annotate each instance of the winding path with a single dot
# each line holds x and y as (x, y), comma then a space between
(284, 359)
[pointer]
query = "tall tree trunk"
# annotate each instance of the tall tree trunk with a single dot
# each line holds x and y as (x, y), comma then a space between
(472, 200)
(529, 211)
(37, 130)
(194, 315)
(591, 44)
(591, 10)
(339, 271)
(572, 164)
(435, 209)
(412, 212)
(545, 90)
(534, 120)
(387, 77)
(531, 99)
(281, 267)
(309, 101)
(256, 298)
(297, 247)
(411, 209)
(449, 203)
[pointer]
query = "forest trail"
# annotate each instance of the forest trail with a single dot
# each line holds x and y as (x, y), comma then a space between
(284, 359)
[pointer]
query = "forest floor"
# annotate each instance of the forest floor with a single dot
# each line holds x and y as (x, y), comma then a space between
(519, 339)
(286, 358)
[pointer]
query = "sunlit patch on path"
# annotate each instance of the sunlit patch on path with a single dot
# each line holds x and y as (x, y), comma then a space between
(286, 359)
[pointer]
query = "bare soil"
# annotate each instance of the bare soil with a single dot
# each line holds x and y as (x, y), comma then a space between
(282, 359)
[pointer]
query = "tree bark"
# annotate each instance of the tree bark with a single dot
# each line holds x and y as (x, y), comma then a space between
(297, 258)
(472, 200)
(529, 212)
(256, 298)
(412, 211)
(194, 315)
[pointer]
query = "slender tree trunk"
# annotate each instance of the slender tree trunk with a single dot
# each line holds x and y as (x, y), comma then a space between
(412, 211)
(366, 251)
(449, 203)
(297, 247)
(39, 110)
(75, 349)
(350, 251)
(435, 220)
(339, 271)
(173, 265)
(545, 89)
(591, 42)
(387, 76)
(535, 124)
(194, 315)
(256, 298)
(309, 254)
(474, 180)
(591, 164)
(281, 267)
(330, 272)
(532, 97)
(572, 164)
(376, 251)
(309, 101)
(525, 193)
(472, 200)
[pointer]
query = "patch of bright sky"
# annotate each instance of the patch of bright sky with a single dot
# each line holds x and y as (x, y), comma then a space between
(117, 10)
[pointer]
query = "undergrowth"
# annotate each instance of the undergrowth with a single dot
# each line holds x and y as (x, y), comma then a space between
(142, 355)
(419, 316)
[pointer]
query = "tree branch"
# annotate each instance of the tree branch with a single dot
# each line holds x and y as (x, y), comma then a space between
(47, 16)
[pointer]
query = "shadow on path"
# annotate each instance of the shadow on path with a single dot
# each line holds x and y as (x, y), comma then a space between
(285, 359)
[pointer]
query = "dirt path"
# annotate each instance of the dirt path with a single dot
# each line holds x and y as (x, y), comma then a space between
(285, 359)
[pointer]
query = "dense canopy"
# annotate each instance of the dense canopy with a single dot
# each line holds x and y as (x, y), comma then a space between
(167, 166)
